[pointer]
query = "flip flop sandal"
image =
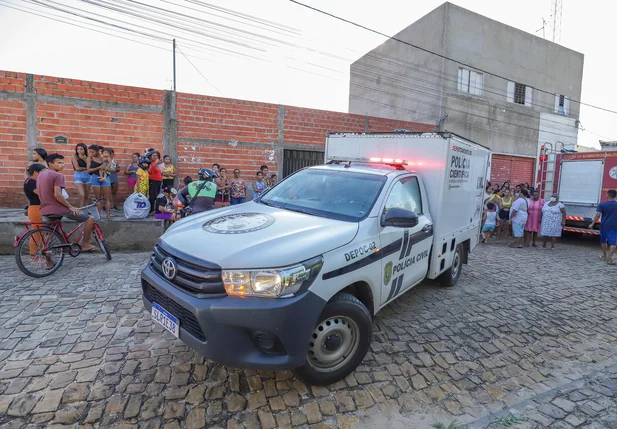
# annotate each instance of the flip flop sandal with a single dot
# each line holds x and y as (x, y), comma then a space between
(611, 262)
(93, 250)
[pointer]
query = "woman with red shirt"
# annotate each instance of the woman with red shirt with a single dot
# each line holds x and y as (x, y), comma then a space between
(156, 179)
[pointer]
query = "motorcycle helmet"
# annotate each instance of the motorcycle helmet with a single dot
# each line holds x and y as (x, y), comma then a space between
(207, 174)
(144, 162)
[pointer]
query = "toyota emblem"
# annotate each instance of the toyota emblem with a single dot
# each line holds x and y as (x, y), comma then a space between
(169, 268)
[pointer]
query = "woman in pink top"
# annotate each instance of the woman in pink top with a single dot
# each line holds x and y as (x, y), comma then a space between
(534, 219)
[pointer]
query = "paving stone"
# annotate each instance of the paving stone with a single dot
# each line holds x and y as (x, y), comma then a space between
(196, 395)
(465, 353)
(312, 412)
(257, 400)
(236, 403)
(69, 414)
(267, 419)
(345, 401)
(49, 402)
(196, 418)
(151, 408)
(418, 382)
(133, 406)
(363, 399)
(291, 399)
(298, 418)
(94, 413)
(564, 404)
(17, 385)
(174, 409)
(22, 405)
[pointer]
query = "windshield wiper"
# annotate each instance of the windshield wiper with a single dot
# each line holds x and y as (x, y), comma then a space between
(303, 211)
(268, 204)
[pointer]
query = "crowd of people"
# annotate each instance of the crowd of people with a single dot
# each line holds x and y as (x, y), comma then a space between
(517, 212)
(96, 171)
(521, 213)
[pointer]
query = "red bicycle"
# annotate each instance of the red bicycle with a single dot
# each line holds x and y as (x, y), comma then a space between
(40, 249)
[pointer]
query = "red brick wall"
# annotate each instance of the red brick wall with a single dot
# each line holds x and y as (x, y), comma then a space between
(130, 119)
(228, 120)
(12, 137)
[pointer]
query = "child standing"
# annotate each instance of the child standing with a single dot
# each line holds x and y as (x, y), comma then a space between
(490, 219)
(143, 178)
(109, 165)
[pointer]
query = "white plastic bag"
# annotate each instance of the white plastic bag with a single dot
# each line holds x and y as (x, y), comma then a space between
(136, 206)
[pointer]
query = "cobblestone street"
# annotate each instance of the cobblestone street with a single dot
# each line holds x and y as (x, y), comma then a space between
(528, 337)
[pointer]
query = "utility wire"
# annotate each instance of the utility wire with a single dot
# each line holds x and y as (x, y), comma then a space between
(61, 20)
(432, 52)
(303, 70)
(198, 71)
(375, 89)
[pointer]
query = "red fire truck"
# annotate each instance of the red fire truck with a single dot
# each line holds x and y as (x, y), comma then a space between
(581, 179)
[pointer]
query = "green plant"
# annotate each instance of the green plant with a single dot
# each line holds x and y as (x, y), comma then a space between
(510, 420)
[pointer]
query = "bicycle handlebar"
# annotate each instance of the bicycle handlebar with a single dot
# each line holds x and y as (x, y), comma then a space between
(91, 205)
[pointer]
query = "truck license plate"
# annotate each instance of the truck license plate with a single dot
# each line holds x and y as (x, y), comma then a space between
(165, 319)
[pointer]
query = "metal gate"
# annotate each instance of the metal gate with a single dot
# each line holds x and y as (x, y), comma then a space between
(294, 160)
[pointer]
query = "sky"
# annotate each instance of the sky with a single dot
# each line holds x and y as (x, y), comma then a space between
(271, 50)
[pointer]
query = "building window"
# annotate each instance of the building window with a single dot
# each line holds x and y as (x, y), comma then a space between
(470, 81)
(562, 104)
(519, 93)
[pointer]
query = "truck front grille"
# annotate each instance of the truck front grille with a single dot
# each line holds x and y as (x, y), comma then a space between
(188, 322)
(203, 280)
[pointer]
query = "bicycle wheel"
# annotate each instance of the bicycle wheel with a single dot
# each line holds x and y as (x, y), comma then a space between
(38, 253)
(98, 234)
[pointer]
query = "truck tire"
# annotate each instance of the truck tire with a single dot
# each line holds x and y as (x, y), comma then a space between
(338, 343)
(451, 275)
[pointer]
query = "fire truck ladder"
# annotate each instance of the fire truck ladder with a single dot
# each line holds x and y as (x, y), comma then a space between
(548, 161)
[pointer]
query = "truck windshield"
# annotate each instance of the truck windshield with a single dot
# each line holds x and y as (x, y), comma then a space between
(341, 195)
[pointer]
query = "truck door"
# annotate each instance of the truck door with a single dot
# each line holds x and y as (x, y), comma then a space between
(409, 263)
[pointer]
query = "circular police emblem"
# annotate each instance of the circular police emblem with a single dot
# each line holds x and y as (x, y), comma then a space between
(387, 273)
(239, 223)
(613, 172)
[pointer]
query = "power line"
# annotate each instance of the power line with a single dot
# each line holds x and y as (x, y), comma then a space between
(60, 20)
(375, 89)
(432, 52)
(141, 34)
(198, 71)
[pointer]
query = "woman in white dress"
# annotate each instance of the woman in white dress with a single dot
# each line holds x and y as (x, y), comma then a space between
(553, 220)
(518, 218)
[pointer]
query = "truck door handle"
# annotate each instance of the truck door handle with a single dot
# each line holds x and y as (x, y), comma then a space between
(428, 227)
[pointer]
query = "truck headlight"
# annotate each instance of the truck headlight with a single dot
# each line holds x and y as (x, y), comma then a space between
(272, 283)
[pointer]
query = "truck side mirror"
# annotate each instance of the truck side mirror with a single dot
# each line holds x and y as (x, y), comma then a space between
(399, 218)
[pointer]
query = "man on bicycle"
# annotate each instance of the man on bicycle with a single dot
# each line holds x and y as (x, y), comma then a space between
(201, 193)
(50, 187)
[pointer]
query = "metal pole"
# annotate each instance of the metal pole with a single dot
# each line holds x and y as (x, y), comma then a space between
(174, 65)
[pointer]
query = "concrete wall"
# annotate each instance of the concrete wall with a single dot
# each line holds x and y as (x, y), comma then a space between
(398, 81)
(485, 44)
(195, 130)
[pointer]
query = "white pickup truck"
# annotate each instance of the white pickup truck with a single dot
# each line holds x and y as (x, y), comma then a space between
(293, 279)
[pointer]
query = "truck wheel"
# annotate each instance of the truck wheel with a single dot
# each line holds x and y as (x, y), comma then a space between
(451, 275)
(338, 343)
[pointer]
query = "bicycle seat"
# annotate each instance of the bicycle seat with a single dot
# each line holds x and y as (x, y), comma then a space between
(52, 218)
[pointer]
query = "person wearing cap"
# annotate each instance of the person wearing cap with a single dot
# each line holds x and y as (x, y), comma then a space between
(164, 208)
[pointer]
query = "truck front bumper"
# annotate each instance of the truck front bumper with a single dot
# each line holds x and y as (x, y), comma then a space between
(251, 333)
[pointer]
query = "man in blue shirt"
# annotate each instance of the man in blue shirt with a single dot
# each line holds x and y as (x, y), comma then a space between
(608, 226)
